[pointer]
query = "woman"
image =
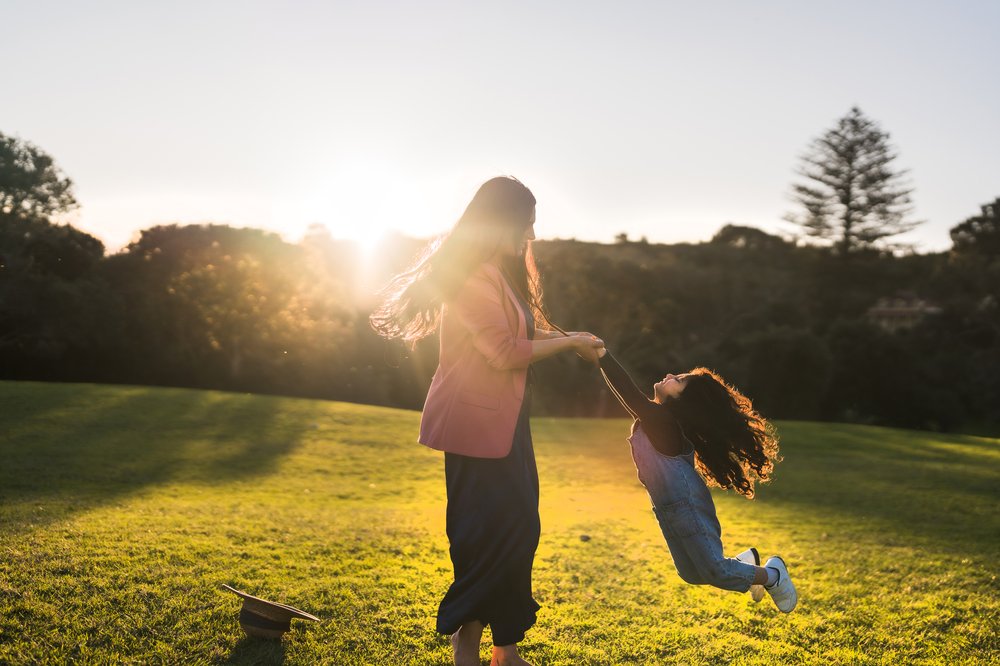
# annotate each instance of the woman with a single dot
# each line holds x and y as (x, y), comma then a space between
(480, 284)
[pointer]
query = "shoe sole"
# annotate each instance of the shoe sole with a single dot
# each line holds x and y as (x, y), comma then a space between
(757, 592)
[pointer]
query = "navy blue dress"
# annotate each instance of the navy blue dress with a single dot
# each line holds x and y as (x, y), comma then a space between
(493, 528)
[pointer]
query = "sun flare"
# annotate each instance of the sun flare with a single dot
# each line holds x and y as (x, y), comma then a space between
(364, 201)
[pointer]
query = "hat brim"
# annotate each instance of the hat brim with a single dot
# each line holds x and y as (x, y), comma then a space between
(270, 609)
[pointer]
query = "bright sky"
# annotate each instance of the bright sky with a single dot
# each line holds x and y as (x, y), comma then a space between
(662, 119)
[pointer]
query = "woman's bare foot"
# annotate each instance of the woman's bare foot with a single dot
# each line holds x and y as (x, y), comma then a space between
(465, 644)
(506, 655)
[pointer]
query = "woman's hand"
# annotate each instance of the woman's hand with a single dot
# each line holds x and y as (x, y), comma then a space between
(584, 344)
(588, 347)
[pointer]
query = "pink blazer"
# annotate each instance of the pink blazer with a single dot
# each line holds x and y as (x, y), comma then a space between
(476, 394)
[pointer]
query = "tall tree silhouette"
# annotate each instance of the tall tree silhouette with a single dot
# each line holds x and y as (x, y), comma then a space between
(852, 195)
(31, 185)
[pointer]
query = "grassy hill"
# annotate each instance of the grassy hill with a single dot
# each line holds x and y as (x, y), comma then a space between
(123, 509)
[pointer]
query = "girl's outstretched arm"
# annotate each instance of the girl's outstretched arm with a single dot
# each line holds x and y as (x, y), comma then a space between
(637, 404)
(618, 395)
(656, 423)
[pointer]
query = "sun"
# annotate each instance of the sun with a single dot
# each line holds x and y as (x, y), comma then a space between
(364, 201)
(367, 237)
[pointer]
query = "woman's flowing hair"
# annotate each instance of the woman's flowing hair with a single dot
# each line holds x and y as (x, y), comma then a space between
(734, 445)
(498, 214)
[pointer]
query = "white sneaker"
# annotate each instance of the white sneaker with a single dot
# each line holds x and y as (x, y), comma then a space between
(783, 592)
(752, 557)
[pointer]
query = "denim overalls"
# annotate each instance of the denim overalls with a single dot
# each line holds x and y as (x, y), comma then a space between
(684, 508)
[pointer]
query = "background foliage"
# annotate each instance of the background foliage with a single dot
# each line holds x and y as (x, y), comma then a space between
(212, 306)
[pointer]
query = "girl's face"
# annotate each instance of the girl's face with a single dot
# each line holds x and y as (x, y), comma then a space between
(670, 386)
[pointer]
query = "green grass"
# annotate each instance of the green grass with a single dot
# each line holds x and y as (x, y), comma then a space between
(123, 509)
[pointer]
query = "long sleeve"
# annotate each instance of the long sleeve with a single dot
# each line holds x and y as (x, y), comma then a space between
(628, 393)
(655, 420)
(479, 307)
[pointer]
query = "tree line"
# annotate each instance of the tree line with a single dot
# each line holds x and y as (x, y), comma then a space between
(850, 330)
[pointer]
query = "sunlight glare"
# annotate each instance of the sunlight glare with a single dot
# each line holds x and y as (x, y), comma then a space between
(364, 200)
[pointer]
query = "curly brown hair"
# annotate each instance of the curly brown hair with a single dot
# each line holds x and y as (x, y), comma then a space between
(734, 445)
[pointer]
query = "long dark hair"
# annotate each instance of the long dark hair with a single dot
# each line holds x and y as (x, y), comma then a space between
(734, 445)
(499, 213)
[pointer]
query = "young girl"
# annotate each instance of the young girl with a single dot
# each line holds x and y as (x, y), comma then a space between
(698, 428)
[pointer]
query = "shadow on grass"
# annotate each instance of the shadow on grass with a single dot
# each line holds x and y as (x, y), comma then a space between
(257, 651)
(71, 447)
(928, 486)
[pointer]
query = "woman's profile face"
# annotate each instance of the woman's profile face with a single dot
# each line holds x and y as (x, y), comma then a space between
(516, 248)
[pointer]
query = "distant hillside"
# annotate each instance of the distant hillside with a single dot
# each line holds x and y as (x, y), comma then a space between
(805, 333)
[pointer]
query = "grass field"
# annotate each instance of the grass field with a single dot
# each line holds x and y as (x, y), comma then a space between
(123, 509)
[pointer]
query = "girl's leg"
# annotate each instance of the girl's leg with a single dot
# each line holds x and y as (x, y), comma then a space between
(685, 566)
(697, 546)
(715, 568)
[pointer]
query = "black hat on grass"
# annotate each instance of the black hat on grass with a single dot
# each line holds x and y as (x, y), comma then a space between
(267, 619)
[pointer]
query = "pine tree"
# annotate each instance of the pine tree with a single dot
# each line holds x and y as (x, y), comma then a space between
(32, 187)
(852, 195)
